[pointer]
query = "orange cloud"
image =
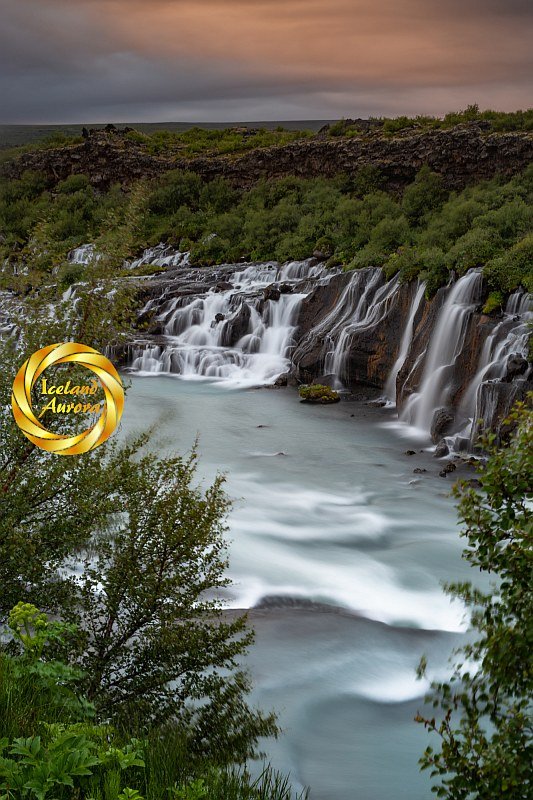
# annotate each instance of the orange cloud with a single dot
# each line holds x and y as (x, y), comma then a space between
(337, 42)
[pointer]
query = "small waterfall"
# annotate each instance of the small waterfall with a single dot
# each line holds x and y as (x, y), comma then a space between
(405, 344)
(446, 344)
(238, 332)
(365, 301)
(509, 338)
(162, 255)
(85, 254)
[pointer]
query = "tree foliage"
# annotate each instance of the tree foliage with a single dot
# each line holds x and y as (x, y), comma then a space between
(484, 714)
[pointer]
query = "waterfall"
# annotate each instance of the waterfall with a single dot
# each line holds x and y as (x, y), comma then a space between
(162, 255)
(239, 332)
(509, 338)
(445, 346)
(405, 344)
(364, 303)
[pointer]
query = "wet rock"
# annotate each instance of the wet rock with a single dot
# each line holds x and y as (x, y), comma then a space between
(219, 318)
(516, 365)
(419, 470)
(282, 379)
(272, 292)
(285, 288)
(441, 449)
(410, 453)
(450, 467)
(223, 286)
(441, 424)
(236, 327)
(318, 393)
(473, 483)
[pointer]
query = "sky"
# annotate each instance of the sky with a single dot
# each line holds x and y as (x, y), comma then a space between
(240, 60)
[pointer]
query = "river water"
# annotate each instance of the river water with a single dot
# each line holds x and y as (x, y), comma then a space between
(339, 549)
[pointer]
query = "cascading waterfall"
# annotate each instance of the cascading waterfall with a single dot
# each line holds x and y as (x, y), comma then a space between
(405, 344)
(445, 346)
(509, 338)
(365, 301)
(230, 334)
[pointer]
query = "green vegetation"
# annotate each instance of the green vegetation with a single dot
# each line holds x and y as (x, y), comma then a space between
(200, 141)
(53, 746)
(55, 139)
(497, 121)
(483, 713)
(138, 683)
(427, 233)
(317, 393)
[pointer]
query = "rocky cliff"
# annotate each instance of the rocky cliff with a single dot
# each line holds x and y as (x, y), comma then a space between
(462, 155)
(441, 360)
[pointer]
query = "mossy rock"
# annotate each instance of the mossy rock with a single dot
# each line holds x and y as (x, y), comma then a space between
(316, 393)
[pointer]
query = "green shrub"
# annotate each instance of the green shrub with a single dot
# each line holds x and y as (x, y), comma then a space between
(494, 302)
(317, 393)
(515, 268)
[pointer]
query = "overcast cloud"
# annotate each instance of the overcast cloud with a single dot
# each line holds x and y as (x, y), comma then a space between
(202, 60)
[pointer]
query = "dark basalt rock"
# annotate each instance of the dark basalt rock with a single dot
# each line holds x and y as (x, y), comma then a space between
(441, 449)
(222, 286)
(516, 365)
(272, 292)
(450, 467)
(442, 423)
(285, 288)
(236, 327)
(461, 155)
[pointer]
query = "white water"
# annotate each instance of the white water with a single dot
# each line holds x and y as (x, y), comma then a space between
(199, 338)
(339, 551)
(161, 255)
(405, 344)
(196, 342)
(447, 340)
(511, 336)
(372, 305)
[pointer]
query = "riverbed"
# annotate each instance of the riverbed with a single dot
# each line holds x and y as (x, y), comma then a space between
(339, 548)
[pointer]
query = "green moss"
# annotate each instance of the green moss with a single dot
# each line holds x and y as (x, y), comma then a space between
(494, 302)
(317, 393)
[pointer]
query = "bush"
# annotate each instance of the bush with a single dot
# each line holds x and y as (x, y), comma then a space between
(317, 393)
(494, 302)
(482, 714)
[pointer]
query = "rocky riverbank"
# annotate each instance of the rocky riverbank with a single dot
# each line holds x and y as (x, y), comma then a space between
(442, 361)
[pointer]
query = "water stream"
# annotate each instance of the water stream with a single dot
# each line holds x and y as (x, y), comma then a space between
(339, 549)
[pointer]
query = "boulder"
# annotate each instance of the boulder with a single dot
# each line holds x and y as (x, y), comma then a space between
(272, 292)
(317, 393)
(516, 365)
(441, 449)
(236, 327)
(223, 286)
(441, 424)
(285, 288)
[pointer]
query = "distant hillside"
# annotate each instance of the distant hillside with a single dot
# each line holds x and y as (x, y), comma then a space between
(17, 135)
